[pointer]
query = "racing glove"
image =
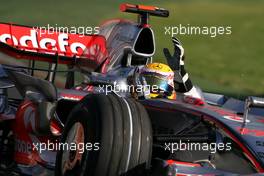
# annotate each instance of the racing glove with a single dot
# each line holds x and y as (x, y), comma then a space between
(182, 82)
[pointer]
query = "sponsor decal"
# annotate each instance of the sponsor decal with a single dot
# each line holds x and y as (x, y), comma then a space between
(235, 118)
(22, 146)
(58, 43)
(227, 114)
(193, 100)
(252, 132)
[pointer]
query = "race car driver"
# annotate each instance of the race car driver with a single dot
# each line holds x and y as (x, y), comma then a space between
(170, 78)
(160, 78)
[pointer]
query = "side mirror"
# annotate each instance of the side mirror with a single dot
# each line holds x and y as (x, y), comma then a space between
(255, 102)
(252, 102)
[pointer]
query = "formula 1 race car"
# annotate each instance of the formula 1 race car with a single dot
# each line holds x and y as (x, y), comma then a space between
(95, 128)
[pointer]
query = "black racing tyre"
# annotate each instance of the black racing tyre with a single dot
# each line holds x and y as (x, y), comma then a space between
(118, 133)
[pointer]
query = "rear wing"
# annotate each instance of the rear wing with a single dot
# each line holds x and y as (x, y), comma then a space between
(52, 46)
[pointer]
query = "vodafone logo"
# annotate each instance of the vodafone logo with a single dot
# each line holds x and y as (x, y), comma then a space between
(45, 43)
(63, 44)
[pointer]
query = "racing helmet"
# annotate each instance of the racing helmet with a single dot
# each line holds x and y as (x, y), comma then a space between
(159, 77)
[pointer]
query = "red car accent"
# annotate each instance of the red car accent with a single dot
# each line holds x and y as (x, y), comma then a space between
(170, 162)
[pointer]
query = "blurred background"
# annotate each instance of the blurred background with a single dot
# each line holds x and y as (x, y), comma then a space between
(230, 64)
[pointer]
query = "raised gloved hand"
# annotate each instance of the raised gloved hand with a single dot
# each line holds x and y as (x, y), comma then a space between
(176, 62)
(178, 57)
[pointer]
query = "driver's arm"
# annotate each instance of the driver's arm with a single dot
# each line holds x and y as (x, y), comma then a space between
(182, 82)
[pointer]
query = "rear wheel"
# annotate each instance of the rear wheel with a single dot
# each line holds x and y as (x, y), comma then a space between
(114, 136)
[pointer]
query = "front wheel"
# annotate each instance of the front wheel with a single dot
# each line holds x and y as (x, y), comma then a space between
(112, 135)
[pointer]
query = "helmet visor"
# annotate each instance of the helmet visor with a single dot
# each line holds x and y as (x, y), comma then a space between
(158, 84)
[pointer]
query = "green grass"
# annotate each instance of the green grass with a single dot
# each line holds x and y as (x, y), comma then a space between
(231, 64)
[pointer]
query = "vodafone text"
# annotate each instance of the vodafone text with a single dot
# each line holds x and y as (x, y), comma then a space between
(60, 44)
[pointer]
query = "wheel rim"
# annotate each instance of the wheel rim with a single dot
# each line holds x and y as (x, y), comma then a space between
(71, 159)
